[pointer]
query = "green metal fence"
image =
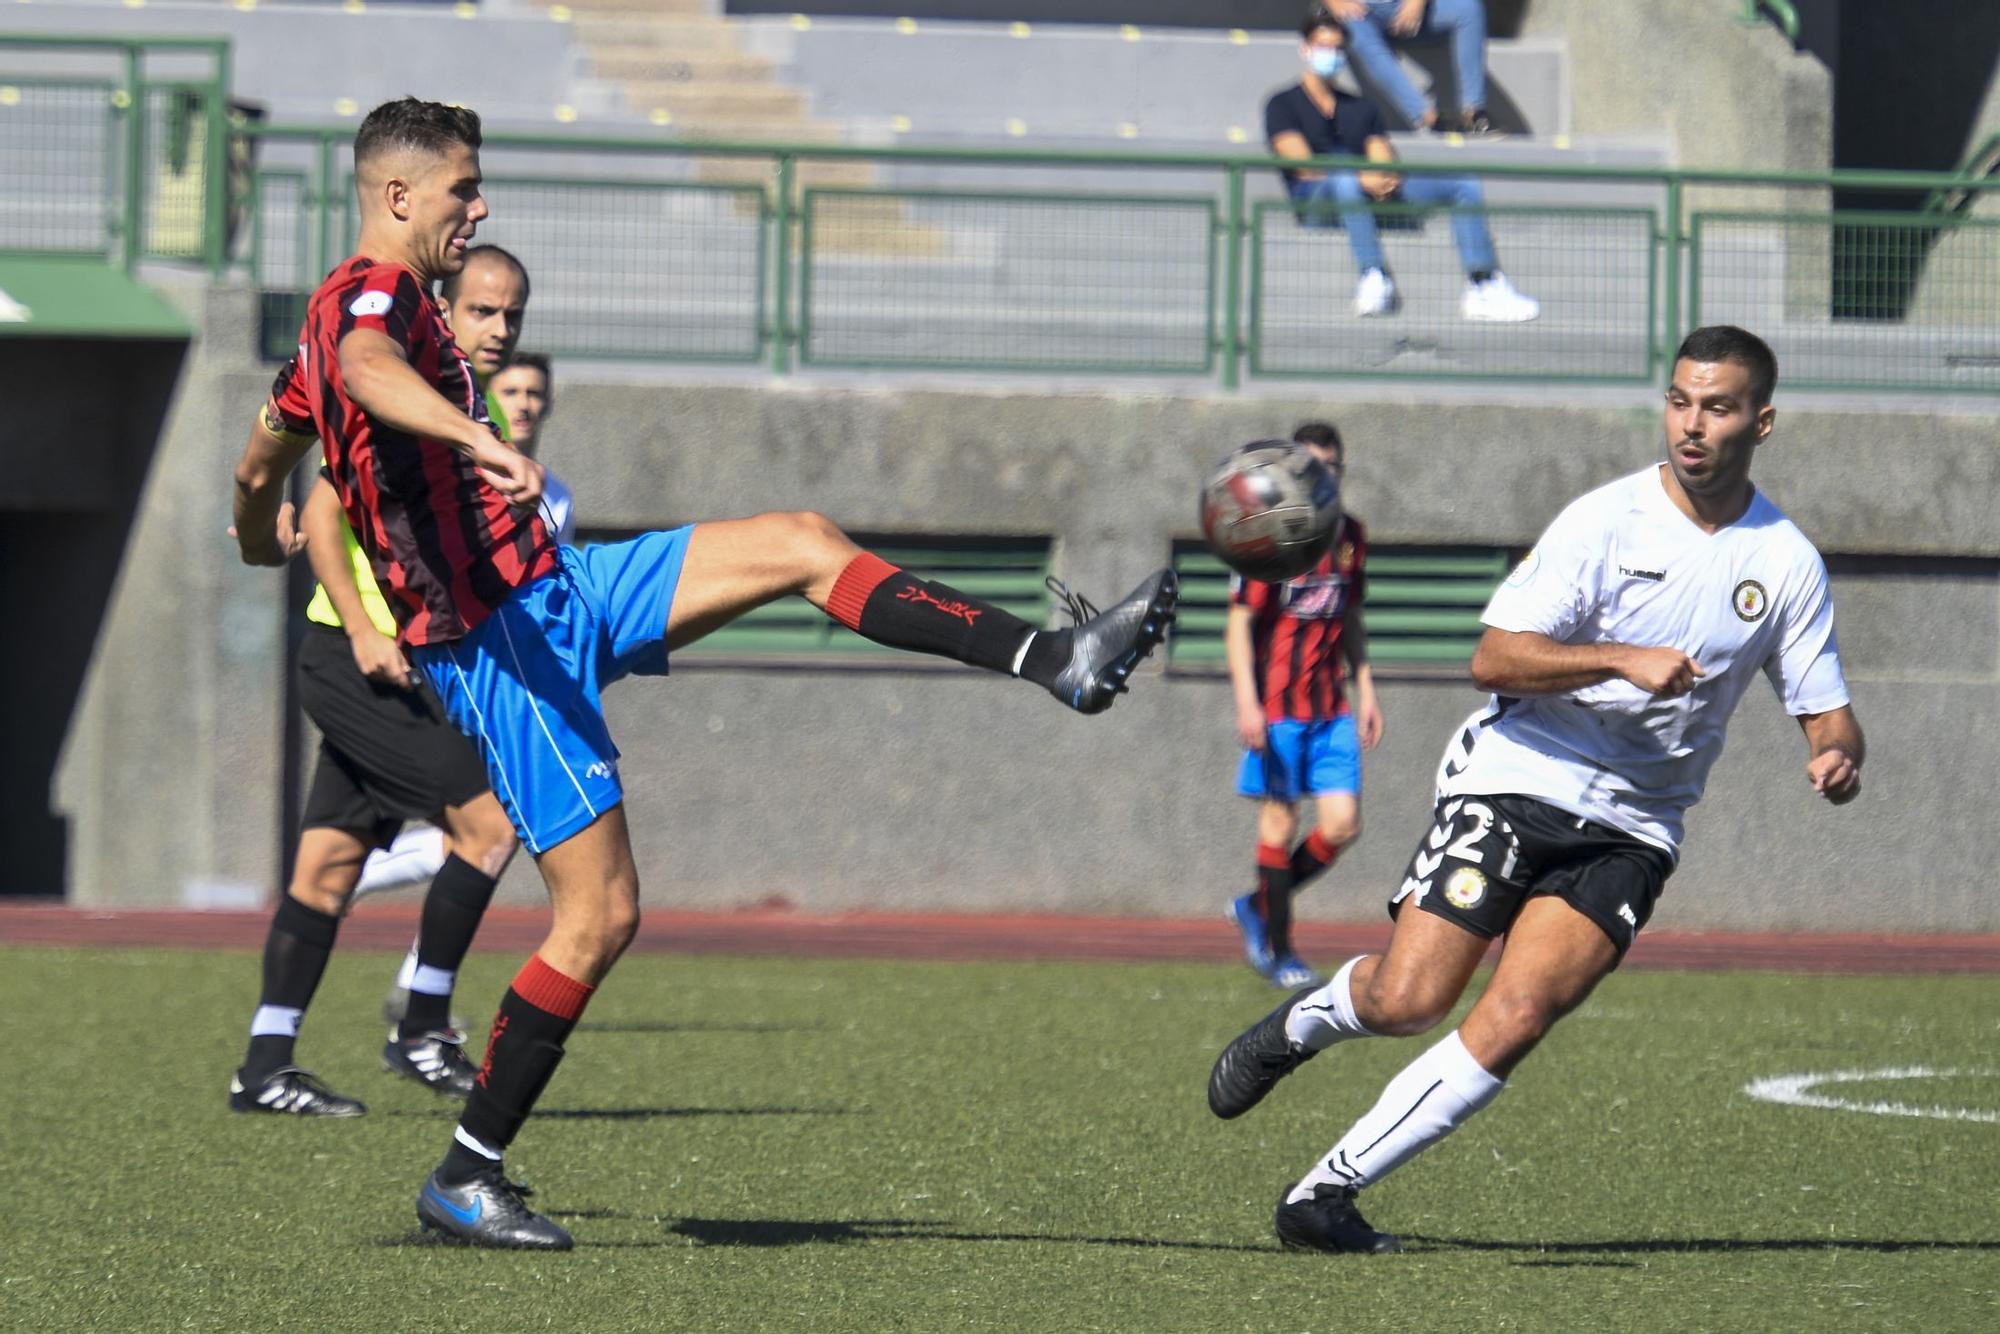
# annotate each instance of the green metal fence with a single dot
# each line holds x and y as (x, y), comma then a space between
(121, 154)
(828, 256)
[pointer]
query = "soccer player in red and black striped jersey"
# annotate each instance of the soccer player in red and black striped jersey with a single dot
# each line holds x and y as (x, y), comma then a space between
(1305, 710)
(517, 635)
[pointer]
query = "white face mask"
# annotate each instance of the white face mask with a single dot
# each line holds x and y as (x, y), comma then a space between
(1327, 61)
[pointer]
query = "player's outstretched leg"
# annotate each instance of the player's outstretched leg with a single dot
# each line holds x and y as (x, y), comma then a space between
(295, 954)
(735, 565)
(425, 1045)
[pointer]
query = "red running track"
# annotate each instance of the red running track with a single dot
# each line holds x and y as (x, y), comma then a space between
(389, 926)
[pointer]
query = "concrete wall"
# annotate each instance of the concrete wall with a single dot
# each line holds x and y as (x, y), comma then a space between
(938, 789)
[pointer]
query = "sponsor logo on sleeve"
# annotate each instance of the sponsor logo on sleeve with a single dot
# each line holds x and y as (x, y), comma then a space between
(1525, 570)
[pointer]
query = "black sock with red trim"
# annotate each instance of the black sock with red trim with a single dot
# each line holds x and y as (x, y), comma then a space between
(891, 606)
(1313, 856)
(536, 1016)
(1274, 895)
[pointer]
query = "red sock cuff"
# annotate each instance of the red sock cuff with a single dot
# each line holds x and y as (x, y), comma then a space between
(1319, 849)
(546, 989)
(863, 575)
(1272, 857)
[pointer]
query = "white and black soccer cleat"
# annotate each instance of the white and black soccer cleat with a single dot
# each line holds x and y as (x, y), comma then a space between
(435, 1060)
(487, 1211)
(1106, 645)
(290, 1091)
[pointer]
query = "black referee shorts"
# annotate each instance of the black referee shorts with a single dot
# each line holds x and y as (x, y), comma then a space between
(386, 755)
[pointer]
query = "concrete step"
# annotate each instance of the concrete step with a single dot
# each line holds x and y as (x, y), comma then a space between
(677, 37)
(770, 105)
(648, 62)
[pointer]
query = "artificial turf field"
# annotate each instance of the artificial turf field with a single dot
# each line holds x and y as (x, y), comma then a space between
(744, 1143)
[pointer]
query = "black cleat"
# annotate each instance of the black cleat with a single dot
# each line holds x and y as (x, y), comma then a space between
(487, 1211)
(435, 1060)
(1330, 1222)
(1106, 646)
(290, 1091)
(1252, 1065)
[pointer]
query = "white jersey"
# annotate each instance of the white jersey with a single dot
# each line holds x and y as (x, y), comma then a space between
(1623, 565)
(558, 509)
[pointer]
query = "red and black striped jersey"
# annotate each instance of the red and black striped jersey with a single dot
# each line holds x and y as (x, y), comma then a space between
(1295, 630)
(446, 546)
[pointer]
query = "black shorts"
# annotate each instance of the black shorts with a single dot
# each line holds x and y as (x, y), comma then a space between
(385, 755)
(1486, 856)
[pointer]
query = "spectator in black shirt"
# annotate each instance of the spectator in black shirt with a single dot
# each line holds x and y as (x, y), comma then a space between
(1314, 119)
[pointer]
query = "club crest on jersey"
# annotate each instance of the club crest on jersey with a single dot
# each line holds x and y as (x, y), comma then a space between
(371, 303)
(1750, 600)
(1466, 888)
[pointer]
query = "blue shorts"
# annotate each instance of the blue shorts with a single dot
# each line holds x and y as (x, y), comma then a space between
(526, 683)
(1303, 760)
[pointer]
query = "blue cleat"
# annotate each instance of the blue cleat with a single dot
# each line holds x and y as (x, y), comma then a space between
(1256, 935)
(1289, 972)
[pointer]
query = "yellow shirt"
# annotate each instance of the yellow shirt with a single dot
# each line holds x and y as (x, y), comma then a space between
(320, 610)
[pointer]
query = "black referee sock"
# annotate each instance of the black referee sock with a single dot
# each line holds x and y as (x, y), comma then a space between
(536, 1016)
(453, 908)
(890, 606)
(296, 949)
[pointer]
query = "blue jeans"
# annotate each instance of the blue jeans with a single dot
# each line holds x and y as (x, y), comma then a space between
(1463, 21)
(1343, 188)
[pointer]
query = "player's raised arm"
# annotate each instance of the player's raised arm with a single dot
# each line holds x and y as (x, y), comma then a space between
(1523, 662)
(1835, 750)
(263, 528)
(382, 383)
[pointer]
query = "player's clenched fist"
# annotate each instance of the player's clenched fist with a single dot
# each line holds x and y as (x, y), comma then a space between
(1663, 672)
(1835, 776)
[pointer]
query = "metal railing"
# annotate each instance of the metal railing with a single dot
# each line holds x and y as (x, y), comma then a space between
(120, 153)
(913, 259)
(1780, 13)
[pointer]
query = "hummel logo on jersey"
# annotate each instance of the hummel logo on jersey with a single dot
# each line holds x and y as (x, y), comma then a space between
(601, 769)
(1654, 575)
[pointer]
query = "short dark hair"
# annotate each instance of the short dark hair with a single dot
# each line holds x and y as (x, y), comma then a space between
(1725, 342)
(1323, 434)
(411, 125)
(448, 289)
(1317, 17)
(537, 361)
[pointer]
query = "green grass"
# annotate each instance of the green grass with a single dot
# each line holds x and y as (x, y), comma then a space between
(776, 1144)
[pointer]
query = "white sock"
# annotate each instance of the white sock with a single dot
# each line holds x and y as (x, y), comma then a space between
(1327, 1016)
(431, 981)
(1432, 1097)
(276, 1021)
(408, 972)
(415, 856)
(476, 1145)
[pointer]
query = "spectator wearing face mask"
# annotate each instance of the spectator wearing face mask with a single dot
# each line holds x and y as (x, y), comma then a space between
(1314, 119)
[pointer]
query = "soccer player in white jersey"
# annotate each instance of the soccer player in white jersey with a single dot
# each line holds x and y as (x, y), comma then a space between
(1615, 653)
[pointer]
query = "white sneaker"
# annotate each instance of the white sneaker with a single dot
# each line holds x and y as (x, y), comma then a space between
(1374, 295)
(1496, 302)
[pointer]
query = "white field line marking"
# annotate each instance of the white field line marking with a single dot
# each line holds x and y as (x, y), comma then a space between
(1797, 1091)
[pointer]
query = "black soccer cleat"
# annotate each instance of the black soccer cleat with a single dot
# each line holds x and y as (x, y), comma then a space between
(1252, 1065)
(1106, 646)
(435, 1060)
(487, 1211)
(1330, 1222)
(290, 1091)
